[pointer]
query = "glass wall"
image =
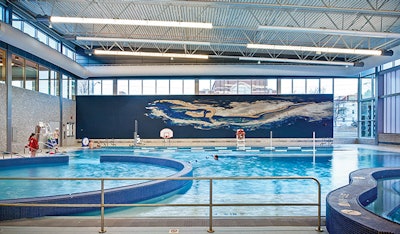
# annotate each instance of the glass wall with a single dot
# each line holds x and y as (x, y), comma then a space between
(44, 77)
(367, 107)
(176, 87)
(18, 71)
(41, 36)
(326, 86)
(286, 86)
(162, 87)
(33, 76)
(149, 87)
(95, 87)
(54, 83)
(2, 13)
(345, 107)
(206, 86)
(189, 87)
(68, 87)
(391, 102)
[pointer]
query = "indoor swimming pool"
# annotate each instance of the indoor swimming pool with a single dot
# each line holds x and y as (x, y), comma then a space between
(331, 166)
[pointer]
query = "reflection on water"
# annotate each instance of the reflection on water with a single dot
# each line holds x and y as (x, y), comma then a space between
(330, 166)
(387, 203)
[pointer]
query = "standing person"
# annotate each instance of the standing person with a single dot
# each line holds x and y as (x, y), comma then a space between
(56, 135)
(33, 144)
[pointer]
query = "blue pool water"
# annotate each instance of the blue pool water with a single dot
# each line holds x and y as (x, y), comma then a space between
(331, 166)
(82, 164)
(387, 203)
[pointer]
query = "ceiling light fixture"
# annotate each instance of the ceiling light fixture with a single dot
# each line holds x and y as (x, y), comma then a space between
(315, 49)
(317, 62)
(81, 20)
(331, 31)
(149, 54)
(116, 39)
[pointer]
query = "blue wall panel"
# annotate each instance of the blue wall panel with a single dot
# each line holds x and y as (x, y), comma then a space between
(205, 116)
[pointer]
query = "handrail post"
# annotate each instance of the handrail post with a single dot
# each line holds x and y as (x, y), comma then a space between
(210, 229)
(211, 204)
(319, 206)
(102, 230)
(270, 139)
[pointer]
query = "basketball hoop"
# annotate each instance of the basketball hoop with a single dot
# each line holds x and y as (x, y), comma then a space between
(166, 133)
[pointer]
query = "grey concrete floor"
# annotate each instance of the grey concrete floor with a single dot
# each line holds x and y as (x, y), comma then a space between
(256, 225)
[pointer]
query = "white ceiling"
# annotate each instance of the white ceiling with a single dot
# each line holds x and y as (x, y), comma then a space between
(235, 24)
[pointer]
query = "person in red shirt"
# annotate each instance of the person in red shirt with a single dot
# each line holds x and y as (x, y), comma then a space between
(33, 144)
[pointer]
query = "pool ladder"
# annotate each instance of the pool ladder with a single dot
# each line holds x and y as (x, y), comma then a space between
(240, 143)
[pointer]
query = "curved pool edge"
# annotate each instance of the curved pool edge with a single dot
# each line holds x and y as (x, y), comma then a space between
(24, 161)
(345, 211)
(124, 194)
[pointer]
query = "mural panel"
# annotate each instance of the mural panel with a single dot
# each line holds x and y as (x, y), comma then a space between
(207, 116)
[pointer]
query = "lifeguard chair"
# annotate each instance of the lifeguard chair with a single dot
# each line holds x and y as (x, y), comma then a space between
(240, 138)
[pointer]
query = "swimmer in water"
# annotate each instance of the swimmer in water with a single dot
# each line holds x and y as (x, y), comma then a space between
(215, 157)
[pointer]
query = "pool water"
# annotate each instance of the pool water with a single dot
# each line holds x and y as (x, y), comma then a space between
(87, 165)
(387, 203)
(331, 166)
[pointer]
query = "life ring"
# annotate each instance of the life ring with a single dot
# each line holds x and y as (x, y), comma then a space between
(85, 141)
(240, 134)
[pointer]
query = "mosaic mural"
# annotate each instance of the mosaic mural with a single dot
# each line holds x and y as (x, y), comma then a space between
(205, 116)
(260, 114)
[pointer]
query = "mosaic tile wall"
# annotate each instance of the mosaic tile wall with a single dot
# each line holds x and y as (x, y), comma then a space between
(28, 109)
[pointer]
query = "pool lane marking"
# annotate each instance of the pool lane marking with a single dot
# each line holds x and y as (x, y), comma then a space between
(225, 151)
(293, 148)
(220, 148)
(141, 150)
(197, 148)
(308, 150)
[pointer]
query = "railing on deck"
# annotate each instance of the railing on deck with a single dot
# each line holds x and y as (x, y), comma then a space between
(102, 204)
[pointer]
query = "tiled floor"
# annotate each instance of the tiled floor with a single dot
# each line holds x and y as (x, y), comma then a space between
(69, 225)
(160, 230)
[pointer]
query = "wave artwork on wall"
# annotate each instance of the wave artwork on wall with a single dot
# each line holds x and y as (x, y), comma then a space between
(268, 112)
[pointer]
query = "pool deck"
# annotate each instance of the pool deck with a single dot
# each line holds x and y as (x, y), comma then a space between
(256, 225)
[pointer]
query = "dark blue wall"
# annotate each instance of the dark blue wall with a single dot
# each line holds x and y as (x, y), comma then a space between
(205, 116)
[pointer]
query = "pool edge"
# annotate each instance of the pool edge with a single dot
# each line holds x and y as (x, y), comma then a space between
(344, 210)
(125, 194)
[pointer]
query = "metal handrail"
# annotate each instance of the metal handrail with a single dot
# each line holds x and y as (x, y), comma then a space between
(102, 205)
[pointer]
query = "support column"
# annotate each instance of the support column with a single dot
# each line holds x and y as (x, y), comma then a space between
(378, 107)
(61, 123)
(8, 74)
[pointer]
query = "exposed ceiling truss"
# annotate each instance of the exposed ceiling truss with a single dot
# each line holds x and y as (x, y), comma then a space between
(346, 24)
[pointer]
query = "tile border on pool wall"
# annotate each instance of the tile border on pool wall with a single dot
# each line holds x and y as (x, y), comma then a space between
(120, 195)
(58, 158)
(345, 212)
